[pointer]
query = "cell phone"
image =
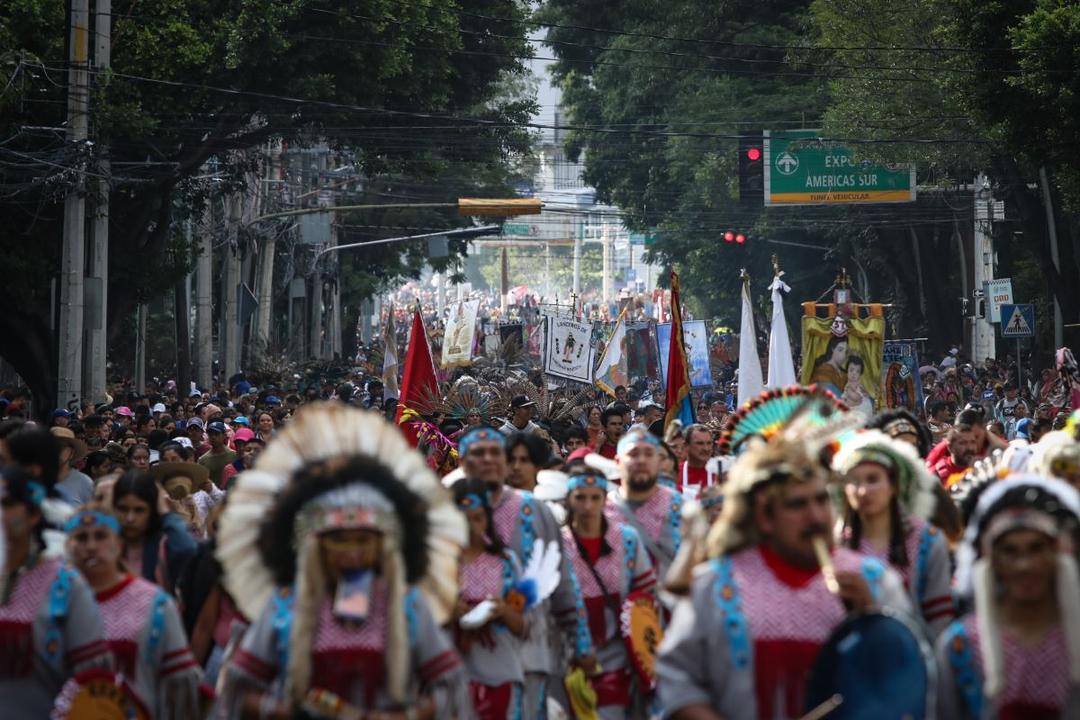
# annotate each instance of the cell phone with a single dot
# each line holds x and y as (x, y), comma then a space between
(352, 601)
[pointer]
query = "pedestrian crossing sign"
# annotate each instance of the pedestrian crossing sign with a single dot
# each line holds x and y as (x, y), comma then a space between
(1017, 321)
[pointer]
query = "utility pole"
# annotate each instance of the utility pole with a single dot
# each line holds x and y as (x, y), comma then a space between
(982, 335)
(606, 272)
(267, 248)
(578, 239)
(1051, 226)
(140, 348)
(96, 318)
(204, 333)
(183, 329)
(230, 321)
(70, 364)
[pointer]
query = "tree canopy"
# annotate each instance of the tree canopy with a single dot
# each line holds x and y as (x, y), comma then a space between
(417, 92)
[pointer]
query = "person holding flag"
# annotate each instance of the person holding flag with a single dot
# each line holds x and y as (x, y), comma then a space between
(418, 389)
(679, 404)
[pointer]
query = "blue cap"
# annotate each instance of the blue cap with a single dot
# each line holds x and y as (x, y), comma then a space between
(241, 420)
(272, 400)
(61, 412)
(1023, 428)
(216, 427)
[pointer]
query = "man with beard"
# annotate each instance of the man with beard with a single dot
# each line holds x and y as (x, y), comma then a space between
(653, 510)
(742, 644)
(961, 455)
(522, 522)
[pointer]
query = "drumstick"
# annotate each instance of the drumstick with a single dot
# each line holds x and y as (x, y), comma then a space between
(824, 708)
(821, 549)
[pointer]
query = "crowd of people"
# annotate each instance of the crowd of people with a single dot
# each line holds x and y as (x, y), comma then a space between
(281, 553)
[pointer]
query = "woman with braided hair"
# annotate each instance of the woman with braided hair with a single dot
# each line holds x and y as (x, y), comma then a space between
(50, 627)
(491, 646)
(354, 571)
(888, 496)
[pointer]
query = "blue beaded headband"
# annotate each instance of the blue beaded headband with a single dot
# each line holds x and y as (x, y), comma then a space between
(480, 435)
(471, 501)
(587, 480)
(90, 518)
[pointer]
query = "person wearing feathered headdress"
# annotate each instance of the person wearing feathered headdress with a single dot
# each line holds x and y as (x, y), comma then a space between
(741, 645)
(342, 546)
(1017, 655)
(888, 498)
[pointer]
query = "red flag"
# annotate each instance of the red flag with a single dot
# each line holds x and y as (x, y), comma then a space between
(418, 383)
(679, 403)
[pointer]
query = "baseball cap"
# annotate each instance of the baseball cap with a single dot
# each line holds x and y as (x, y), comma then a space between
(241, 420)
(1023, 429)
(158, 408)
(124, 411)
(242, 435)
(521, 401)
(216, 427)
(195, 422)
(61, 412)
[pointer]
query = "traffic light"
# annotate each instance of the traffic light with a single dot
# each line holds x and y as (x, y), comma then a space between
(751, 169)
(736, 238)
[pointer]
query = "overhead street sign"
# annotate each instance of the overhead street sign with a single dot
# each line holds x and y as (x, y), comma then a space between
(1017, 321)
(800, 169)
(998, 292)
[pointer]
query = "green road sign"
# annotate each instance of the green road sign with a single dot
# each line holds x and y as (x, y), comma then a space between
(800, 169)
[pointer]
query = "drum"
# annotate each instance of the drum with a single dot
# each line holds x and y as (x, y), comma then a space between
(880, 665)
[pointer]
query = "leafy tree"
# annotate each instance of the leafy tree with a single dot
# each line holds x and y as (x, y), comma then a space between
(991, 84)
(195, 80)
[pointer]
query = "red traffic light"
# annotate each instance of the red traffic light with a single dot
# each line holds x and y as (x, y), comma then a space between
(740, 238)
(729, 236)
(753, 154)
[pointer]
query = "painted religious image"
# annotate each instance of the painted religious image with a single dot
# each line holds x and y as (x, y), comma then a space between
(696, 341)
(568, 354)
(843, 355)
(459, 334)
(903, 386)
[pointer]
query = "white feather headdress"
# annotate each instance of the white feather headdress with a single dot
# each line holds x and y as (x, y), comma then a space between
(915, 484)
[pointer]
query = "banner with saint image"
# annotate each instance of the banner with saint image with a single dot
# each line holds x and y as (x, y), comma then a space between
(843, 353)
(459, 335)
(568, 354)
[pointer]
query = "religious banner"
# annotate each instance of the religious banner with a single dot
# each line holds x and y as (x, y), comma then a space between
(568, 353)
(643, 359)
(458, 337)
(842, 351)
(900, 372)
(696, 343)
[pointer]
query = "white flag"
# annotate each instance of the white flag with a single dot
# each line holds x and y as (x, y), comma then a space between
(612, 368)
(390, 361)
(750, 383)
(781, 365)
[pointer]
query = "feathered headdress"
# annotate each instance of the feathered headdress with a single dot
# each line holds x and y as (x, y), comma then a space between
(288, 485)
(466, 396)
(766, 414)
(914, 483)
(795, 448)
(1020, 501)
